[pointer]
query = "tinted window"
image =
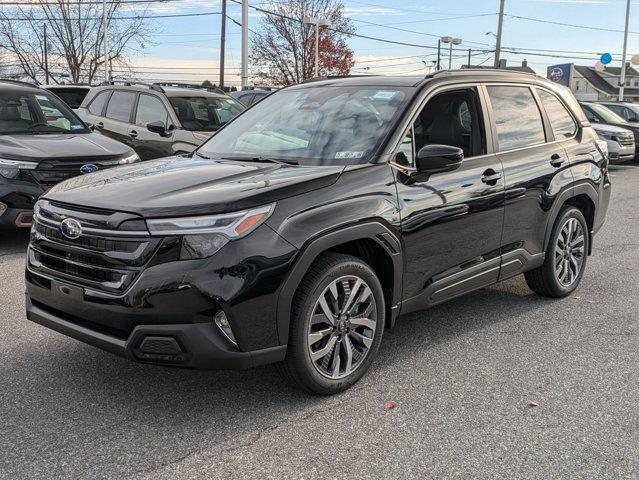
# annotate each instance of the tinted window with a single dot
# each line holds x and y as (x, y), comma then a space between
(71, 96)
(150, 109)
(247, 99)
(97, 105)
(451, 118)
(517, 117)
(562, 123)
(36, 113)
(205, 114)
(120, 106)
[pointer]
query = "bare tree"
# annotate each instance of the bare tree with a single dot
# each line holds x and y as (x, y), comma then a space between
(74, 37)
(283, 48)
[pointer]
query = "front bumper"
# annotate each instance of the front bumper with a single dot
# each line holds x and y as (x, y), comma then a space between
(620, 153)
(191, 345)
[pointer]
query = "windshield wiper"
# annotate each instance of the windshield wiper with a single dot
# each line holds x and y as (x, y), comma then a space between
(262, 159)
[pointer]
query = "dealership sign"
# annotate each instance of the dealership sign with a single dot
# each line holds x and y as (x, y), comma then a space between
(561, 73)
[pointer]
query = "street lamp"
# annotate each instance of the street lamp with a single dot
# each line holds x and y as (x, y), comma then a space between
(452, 41)
(318, 22)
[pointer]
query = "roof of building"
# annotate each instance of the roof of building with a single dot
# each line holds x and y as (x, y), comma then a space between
(597, 81)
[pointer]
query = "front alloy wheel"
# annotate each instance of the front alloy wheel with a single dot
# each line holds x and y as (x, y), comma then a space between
(337, 321)
(342, 327)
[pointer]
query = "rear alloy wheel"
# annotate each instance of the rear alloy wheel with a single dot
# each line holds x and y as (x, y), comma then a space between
(566, 256)
(569, 252)
(336, 326)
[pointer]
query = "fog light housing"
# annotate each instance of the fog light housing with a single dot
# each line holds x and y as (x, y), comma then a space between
(222, 322)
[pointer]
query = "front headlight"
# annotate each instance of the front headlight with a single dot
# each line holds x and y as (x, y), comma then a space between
(204, 236)
(11, 168)
(607, 135)
(129, 159)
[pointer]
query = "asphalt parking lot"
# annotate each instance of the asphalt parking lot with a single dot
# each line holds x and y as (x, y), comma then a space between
(498, 384)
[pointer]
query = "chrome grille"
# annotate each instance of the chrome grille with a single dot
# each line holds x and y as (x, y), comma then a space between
(101, 259)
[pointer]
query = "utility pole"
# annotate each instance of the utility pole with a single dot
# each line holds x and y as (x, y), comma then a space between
(222, 43)
(105, 24)
(439, 54)
(469, 50)
(245, 20)
(46, 56)
(622, 79)
(499, 30)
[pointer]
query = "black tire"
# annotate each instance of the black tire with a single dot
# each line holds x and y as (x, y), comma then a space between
(298, 368)
(543, 279)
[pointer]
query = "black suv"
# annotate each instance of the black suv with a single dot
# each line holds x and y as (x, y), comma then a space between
(158, 121)
(42, 142)
(313, 220)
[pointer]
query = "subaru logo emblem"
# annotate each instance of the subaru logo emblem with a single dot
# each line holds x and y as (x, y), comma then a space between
(88, 168)
(71, 228)
(556, 74)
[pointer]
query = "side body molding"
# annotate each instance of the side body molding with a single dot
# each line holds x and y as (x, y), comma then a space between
(374, 231)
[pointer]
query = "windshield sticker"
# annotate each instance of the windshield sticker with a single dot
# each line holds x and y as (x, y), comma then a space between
(77, 127)
(349, 154)
(384, 94)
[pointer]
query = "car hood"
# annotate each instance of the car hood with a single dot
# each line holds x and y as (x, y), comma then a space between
(176, 186)
(70, 146)
(627, 126)
(604, 128)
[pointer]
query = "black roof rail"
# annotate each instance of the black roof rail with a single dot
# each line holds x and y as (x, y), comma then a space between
(332, 77)
(479, 70)
(19, 82)
(190, 85)
(129, 83)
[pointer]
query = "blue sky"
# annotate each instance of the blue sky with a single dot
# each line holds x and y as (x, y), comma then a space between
(189, 47)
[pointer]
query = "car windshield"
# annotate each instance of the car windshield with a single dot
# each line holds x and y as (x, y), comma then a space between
(36, 113)
(607, 115)
(312, 125)
(205, 114)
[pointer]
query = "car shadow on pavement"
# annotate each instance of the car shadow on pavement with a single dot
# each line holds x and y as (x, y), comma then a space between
(77, 396)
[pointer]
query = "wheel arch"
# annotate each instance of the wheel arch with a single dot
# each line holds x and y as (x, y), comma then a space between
(372, 242)
(584, 197)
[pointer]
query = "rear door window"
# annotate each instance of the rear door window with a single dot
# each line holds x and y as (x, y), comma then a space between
(120, 106)
(97, 105)
(151, 109)
(517, 117)
(562, 123)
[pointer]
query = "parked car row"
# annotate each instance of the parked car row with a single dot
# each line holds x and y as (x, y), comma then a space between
(46, 140)
(301, 231)
(621, 134)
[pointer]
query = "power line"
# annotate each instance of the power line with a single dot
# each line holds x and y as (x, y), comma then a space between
(366, 37)
(551, 22)
(132, 17)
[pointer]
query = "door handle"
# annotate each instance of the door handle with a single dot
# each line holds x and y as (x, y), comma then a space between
(490, 177)
(133, 134)
(556, 160)
(99, 125)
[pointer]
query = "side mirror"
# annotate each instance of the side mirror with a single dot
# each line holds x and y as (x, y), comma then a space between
(157, 127)
(438, 158)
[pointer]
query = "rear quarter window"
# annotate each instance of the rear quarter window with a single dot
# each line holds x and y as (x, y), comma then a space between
(562, 123)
